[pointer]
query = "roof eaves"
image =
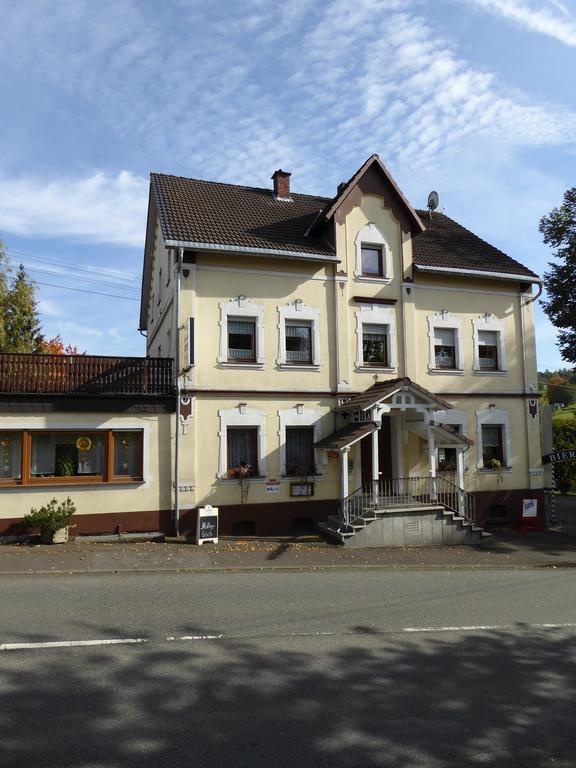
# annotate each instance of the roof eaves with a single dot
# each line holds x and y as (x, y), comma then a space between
(277, 252)
(528, 276)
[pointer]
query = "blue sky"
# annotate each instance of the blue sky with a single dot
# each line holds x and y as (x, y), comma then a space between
(473, 98)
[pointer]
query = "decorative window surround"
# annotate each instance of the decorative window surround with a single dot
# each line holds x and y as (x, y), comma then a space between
(488, 322)
(445, 319)
(496, 417)
(371, 235)
(241, 307)
(241, 416)
(376, 314)
(299, 417)
(297, 310)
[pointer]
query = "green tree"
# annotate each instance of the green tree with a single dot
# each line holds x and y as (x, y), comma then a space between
(565, 471)
(22, 325)
(4, 274)
(560, 391)
(559, 230)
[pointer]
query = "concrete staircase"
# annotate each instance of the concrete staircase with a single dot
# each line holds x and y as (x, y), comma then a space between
(370, 521)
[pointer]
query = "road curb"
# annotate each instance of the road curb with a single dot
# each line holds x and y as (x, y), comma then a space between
(295, 568)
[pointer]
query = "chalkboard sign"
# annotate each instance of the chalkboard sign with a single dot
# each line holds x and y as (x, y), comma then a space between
(207, 528)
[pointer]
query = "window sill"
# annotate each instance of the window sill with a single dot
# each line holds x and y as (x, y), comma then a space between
(446, 371)
(489, 471)
(247, 366)
(51, 482)
(236, 481)
(298, 367)
(375, 368)
(304, 479)
(480, 372)
(374, 279)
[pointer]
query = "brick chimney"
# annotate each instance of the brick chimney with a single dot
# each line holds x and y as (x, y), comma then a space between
(281, 181)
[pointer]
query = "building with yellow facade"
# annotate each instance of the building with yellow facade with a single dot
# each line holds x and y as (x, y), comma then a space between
(348, 363)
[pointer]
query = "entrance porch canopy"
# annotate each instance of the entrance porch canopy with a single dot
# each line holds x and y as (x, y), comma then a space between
(416, 406)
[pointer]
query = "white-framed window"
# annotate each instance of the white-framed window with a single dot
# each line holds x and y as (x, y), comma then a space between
(300, 429)
(489, 349)
(493, 439)
(376, 338)
(298, 336)
(373, 255)
(445, 343)
(446, 455)
(241, 333)
(242, 437)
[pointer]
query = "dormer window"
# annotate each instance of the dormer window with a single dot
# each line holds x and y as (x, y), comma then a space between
(372, 261)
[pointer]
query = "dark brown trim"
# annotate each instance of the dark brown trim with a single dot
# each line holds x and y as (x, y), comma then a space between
(55, 403)
(261, 394)
(368, 300)
(530, 395)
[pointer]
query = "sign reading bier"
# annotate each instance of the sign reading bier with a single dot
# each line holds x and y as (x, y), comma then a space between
(565, 455)
(207, 525)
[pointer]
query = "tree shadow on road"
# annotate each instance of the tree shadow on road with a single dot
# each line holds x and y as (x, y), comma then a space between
(449, 701)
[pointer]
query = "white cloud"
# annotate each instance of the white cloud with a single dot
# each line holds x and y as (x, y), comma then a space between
(99, 208)
(535, 19)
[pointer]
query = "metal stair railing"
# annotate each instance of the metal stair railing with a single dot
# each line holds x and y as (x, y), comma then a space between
(352, 507)
(405, 492)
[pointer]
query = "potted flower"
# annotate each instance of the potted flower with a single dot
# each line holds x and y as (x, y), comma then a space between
(497, 465)
(53, 520)
(243, 472)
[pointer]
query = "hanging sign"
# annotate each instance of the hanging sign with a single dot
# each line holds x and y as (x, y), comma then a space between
(565, 455)
(207, 525)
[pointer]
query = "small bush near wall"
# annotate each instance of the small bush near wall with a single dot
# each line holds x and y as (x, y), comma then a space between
(565, 471)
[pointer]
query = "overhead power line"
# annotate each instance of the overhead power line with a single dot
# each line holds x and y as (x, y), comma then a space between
(80, 279)
(85, 290)
(91, 270)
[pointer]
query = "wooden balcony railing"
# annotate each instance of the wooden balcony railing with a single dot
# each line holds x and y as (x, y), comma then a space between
(85, 375)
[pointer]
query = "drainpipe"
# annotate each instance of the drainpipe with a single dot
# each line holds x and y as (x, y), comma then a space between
(178, 270)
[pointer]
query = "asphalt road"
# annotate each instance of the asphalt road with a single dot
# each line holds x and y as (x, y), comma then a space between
(411, 669)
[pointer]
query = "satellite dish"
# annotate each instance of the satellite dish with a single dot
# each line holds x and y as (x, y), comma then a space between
(433, 201)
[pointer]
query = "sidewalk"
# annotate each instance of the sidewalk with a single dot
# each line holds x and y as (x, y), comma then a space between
(509, 550)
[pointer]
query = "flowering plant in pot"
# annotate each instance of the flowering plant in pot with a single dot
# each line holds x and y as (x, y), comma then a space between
(53, 520)
(243, 472)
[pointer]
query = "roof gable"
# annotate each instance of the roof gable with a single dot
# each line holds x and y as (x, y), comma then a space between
(372, 178)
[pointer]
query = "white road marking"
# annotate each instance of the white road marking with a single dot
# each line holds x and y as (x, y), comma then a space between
(482, 627)
(201, 637)
(187, 638)
(70, 643)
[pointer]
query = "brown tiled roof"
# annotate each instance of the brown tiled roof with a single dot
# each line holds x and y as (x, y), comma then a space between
(447, 244)
(383, 389)
(191, 210)
(347, 435)
(454, 433)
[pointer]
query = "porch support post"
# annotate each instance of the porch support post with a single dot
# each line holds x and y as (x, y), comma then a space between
(460, 467)
(344, 472)
(432, 463)
(460, 477)
(375, 463)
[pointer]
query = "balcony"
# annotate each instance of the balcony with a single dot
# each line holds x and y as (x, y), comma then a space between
(83, 375)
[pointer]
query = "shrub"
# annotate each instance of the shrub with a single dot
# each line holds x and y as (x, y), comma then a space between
(52, 516)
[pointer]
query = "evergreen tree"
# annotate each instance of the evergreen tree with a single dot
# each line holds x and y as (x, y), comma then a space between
(559, 230)
(22, 325)
(4, 272)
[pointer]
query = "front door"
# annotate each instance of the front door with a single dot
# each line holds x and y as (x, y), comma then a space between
(384, 454)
